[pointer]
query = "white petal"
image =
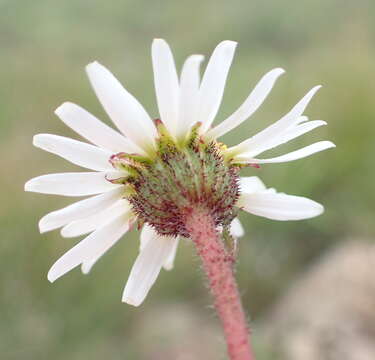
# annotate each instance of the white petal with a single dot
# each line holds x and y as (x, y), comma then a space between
(77, 152)
(92, 247)
(281, 207)
(251, 104)
(166, 84)
(189, 87)
(124, 110)
(302, 129)
(105, 246)
(286, 136)
(251, 184)
(149, 234)
(95, 221)
(213, 83)
(293, 133)
(146, 269)
(79, 210)
(169, 262)
(236, 228)
(73, 184)
(258, 142)
(294, 155)
(94, 130)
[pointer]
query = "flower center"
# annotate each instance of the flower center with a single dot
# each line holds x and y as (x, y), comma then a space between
(164, 190)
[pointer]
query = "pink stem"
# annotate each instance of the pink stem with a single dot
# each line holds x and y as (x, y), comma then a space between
(218, 265)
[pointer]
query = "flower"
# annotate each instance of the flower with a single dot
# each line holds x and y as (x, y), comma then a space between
(153, 171)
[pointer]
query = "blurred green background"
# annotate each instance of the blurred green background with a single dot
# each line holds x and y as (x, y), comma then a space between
(44, 47)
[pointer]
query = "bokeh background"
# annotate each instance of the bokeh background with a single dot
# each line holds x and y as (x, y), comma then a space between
(44, 47)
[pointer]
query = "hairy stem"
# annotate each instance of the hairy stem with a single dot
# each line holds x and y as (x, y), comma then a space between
(218, 265)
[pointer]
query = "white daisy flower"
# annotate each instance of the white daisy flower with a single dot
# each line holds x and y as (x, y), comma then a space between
(154, 171)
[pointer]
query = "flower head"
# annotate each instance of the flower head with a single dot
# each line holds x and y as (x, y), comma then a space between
(155, 172)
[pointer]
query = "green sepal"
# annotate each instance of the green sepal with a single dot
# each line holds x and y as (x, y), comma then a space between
(165, 142)
(193, 136)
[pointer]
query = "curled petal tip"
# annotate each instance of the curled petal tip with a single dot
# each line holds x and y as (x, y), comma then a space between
(330, 144)
(36, 139)
(59, 109)
(28, 186)
(311, 92)
(158, 40)
(51, 278)
(278, 70)
(196, 57)
(317, 211)
(159, 43)
(320, 209)
(130, 301)
(63, 108)
(168, 267)
(85, 268)
(92, 65)
(42, 227)
(65, 232)
(228, 44)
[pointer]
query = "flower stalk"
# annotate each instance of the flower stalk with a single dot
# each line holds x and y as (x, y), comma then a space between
(218, 266)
